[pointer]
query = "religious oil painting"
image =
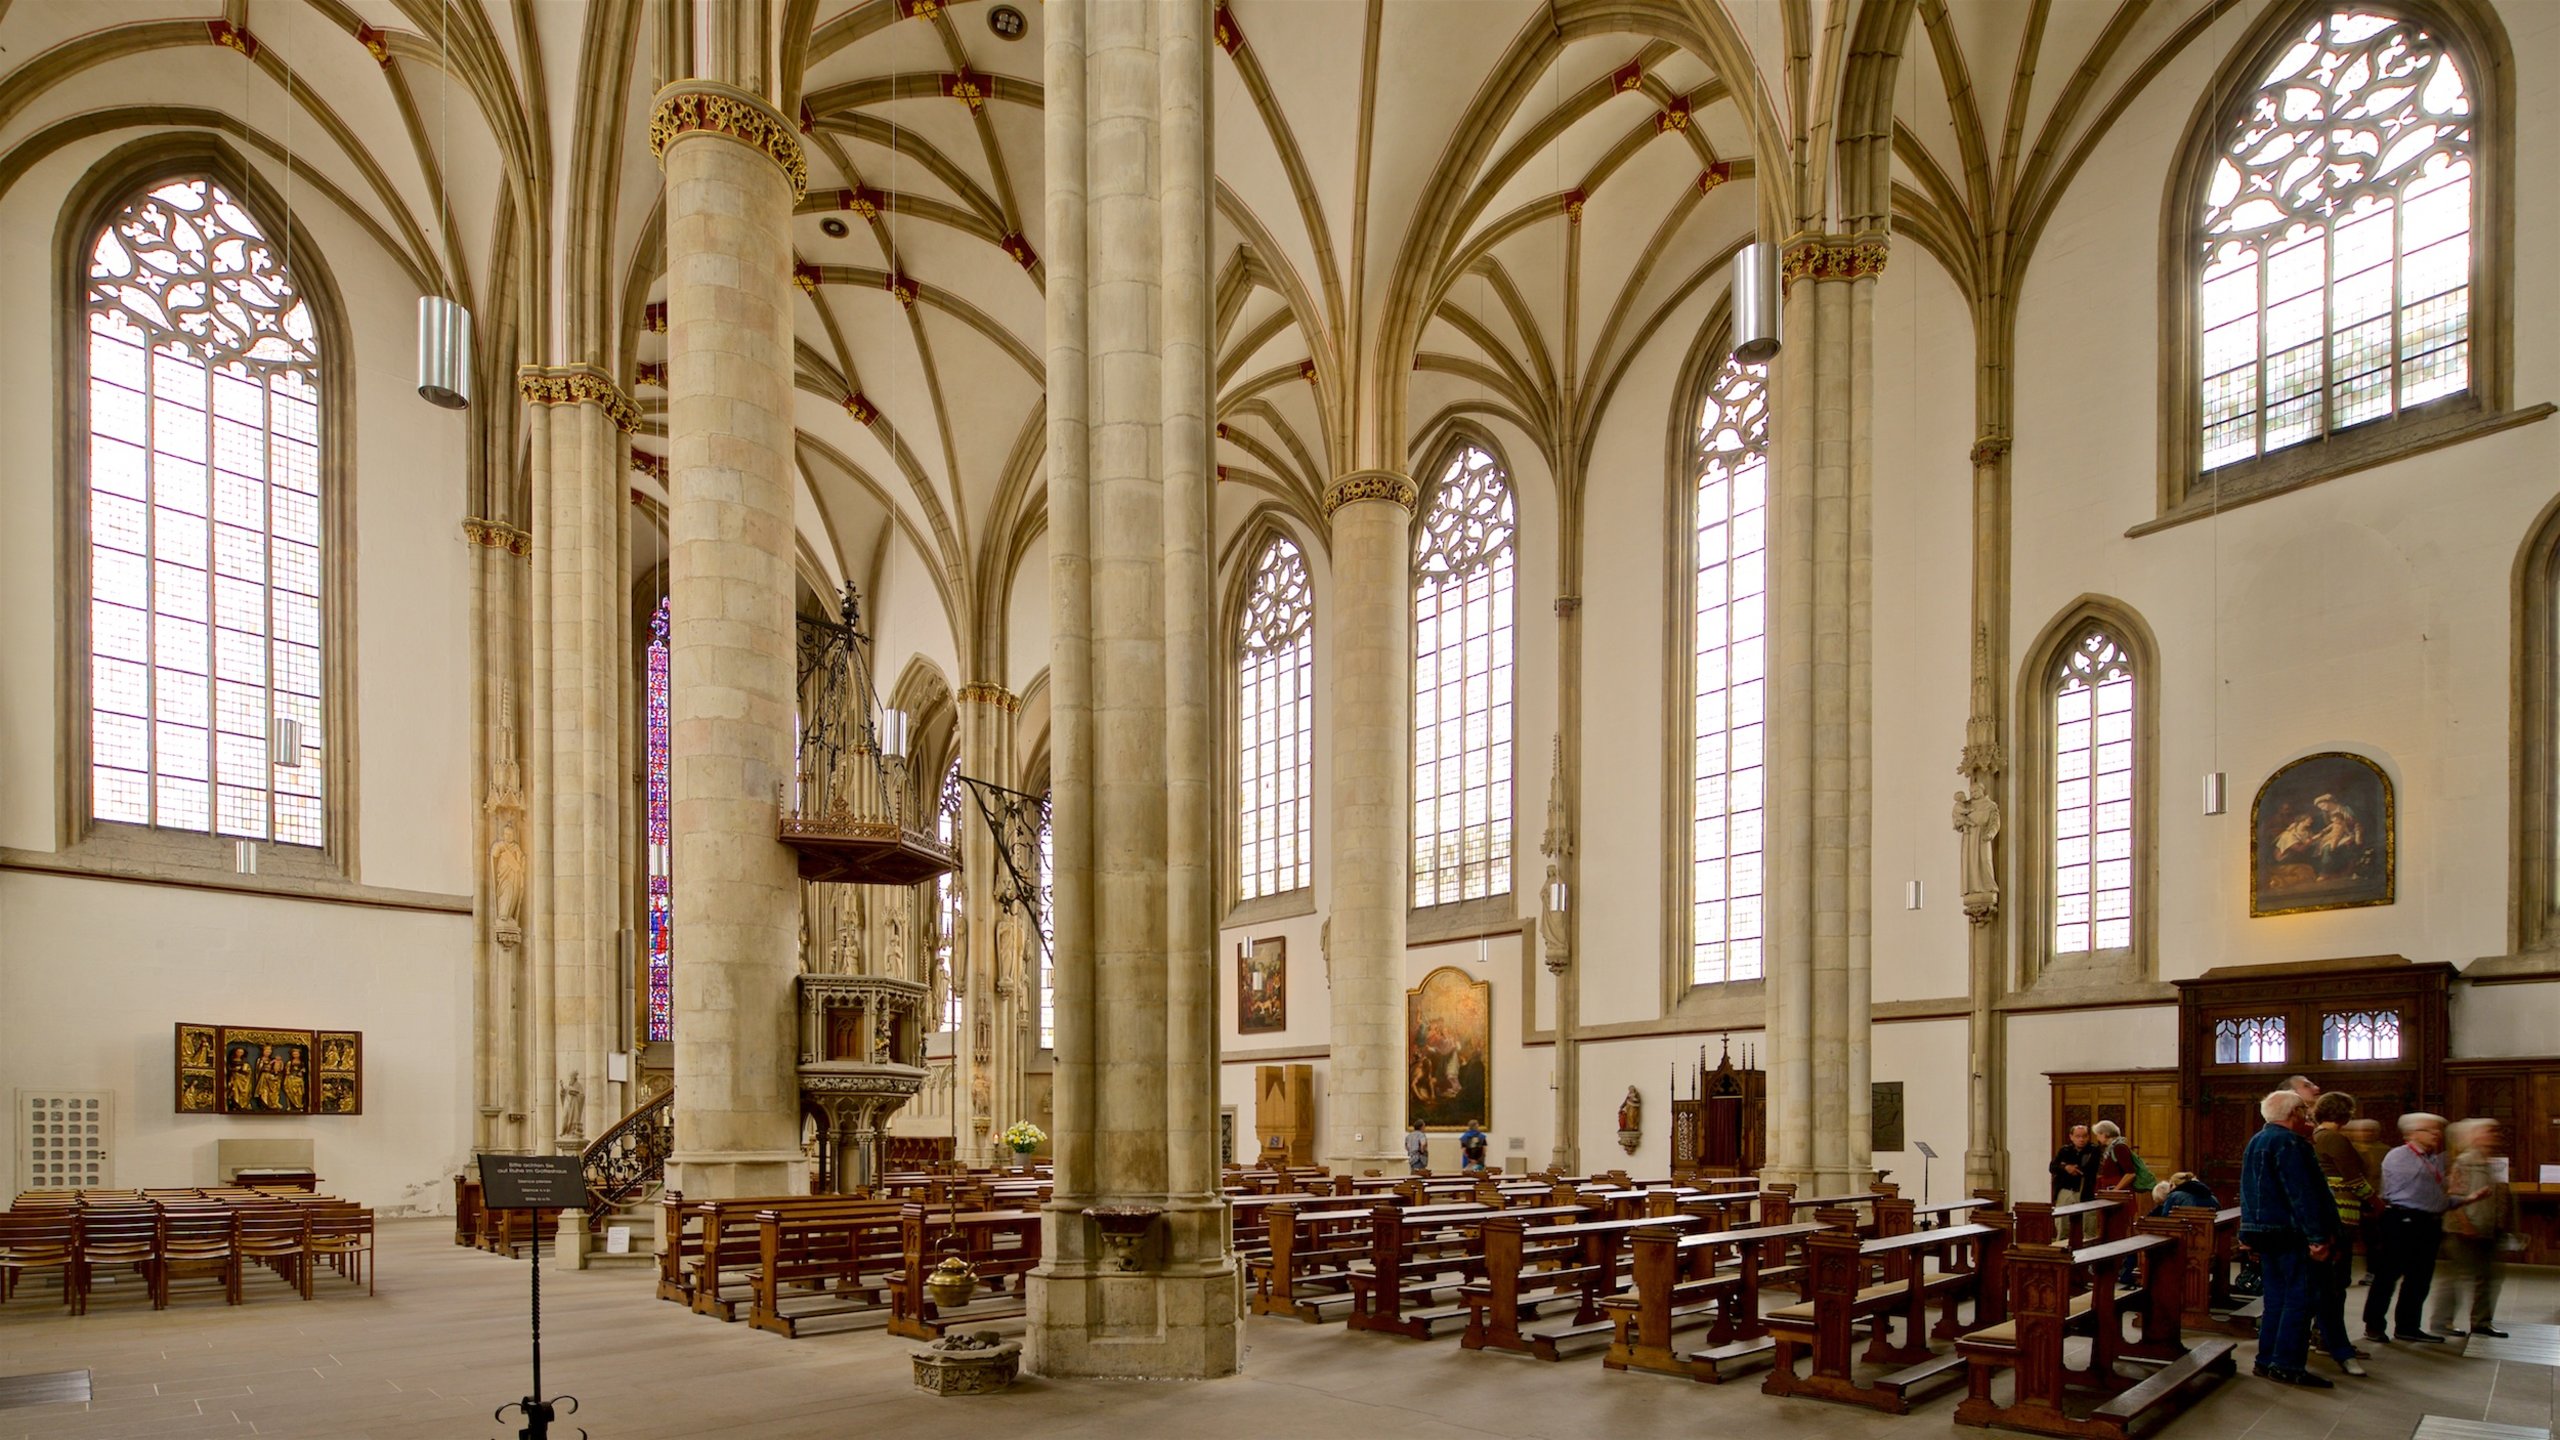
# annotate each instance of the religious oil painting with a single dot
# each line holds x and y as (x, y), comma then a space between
(199, 1088)
(1448, 1054)
(2322, 837)
(1262, 987)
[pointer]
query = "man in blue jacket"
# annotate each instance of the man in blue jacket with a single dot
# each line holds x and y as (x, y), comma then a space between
(2289, 1219)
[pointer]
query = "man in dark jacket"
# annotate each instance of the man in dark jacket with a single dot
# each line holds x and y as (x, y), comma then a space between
(2073, 1167)
(2289, 1219)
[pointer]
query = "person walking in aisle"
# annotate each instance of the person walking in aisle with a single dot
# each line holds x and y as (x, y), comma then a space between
(2414, 1200)
(2287, 1217)
(2475, 1230)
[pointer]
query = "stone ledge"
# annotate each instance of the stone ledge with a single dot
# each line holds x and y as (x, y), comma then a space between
(2531, 967)
(75, 865)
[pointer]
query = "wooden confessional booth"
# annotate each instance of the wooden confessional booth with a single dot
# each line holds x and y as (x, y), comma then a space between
(2377, 1027)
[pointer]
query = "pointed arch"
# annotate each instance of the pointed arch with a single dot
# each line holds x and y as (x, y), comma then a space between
(2534, 906)
(2088, 778)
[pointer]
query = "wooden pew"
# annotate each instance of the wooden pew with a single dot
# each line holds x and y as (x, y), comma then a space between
(825, 1254)
(1678, 1286)
(726, 1246)
(1312, 1241)
(2056, 1292)
(1001, 1245)
(1415, 1254)
(1577, 1260)
(2072, 1226)
(1838, 1297)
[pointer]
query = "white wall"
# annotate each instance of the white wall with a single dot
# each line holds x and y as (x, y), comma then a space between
(94, 974)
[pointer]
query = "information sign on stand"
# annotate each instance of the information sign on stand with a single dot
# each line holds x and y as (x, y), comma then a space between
(537, 1183)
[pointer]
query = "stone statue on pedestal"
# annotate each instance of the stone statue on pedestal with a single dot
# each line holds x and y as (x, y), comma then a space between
(1977, 820)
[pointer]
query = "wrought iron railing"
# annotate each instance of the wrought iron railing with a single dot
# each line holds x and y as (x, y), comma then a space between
(630, 1159)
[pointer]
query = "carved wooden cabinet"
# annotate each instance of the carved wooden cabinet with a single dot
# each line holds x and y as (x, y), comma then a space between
(2376, 1027)
(2143, 1103)
(2523, 1096)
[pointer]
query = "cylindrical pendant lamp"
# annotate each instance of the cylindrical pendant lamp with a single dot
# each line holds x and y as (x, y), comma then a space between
(444, 352)
(1755, 304)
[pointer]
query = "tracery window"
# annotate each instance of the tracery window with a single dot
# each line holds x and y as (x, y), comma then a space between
(1462, 679)
(1729, 677)
(2249, 1040)
(947, 902)
(204, 523)
(2360, 1035)
(661, 866)
(2336, 239)
(1275, 726)
(2093, 796)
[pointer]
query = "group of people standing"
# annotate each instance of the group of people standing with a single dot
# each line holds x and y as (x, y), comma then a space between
(2310, 1187)
(2313, 1182)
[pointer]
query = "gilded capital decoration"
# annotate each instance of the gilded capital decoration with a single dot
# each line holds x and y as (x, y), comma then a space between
(693, 106)
(1371, 485)
(497, 535)
(1833, 257)
(987, 692)
(653, 466)
(1991, 449)
(579, 386)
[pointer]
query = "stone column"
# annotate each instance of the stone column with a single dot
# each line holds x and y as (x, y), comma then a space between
(1372, 685)
(733, 169)
(503, 837)
(1978, 820)
(991, 1003)
(1821, 719)
(1126, 113)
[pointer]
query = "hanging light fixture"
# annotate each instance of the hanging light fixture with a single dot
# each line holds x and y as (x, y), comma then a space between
(1755, 304)
(444, 327)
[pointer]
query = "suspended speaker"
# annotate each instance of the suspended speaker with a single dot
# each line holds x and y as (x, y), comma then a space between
(1755, 304)
(444, 352)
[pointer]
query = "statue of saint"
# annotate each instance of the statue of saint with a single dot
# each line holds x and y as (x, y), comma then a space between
(1011, 933)
(506, 854)
(573, 1106)
(1631, 1119)
(1551, 930)
(1977, 819)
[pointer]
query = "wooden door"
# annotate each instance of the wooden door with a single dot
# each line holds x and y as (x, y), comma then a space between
(2142, 1103)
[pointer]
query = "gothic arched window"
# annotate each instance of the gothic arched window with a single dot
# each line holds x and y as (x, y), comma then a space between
(1462, 683)
(1275, 726)
(947, 903)
(204, 511)
(2094, 779)
(661, 866)
(1729, 677)
(2336, 278)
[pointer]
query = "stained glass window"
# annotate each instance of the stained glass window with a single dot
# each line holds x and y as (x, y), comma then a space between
(2360, 1035)
(205, 552)
(2337, 239)
(2249, 1040)
(662, 884)
(2093, 780)
(1730, 677)
(1462, 596)
(947, 903)
(1275, 727)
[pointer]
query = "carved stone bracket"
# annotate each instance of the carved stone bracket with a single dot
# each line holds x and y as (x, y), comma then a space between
(497, 535)
(1833, 257)
(1372, 485)
(701, 106)
(576, 385)
(987, 692)
(1991, 449)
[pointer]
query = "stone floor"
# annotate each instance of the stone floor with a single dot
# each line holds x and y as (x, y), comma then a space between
(443, 1344)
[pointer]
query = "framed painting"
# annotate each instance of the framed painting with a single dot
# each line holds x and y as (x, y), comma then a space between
(1262, 987)
(1448, 1051)
(266, 1072)
(2322, 836)
(341, 1071)
(199, 1070)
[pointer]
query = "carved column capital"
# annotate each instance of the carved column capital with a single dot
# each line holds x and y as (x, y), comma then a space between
(1361, 485)
(497, 535)
(1991, 449)
(1833, 257)
(708, 107)
(988, 692)
(578, 385)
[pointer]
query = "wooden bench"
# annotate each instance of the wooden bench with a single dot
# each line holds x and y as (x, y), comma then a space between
(1526, 1267)
(2071, 1226)
(1001, 1246)
(1414, 1254)
(841, 1258)
(727, 1243)
(1678, 1286)
(1311, 1242)
(2055, 1292)
(1838, 1297)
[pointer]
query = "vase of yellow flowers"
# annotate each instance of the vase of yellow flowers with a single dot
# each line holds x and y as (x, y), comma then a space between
(1023, 1137)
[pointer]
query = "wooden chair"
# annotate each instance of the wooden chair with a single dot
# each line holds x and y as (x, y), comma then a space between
(279, 1236)
(121, 1237)
(43, 1240)
(199, 1242)
(342, 1235)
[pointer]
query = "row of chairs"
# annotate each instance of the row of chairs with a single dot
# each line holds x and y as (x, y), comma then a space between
(168, 1239)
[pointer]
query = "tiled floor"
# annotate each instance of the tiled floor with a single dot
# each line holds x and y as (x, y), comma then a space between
(443, 1345)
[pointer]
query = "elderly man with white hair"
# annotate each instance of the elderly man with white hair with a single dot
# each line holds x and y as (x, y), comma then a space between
(2414, 1198)
(2288, 1218)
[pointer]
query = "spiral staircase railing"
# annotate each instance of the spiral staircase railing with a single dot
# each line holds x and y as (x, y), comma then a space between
(626, 1162)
